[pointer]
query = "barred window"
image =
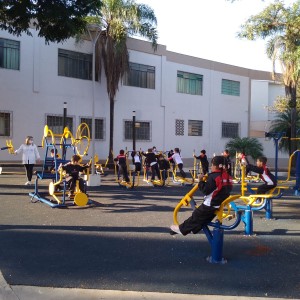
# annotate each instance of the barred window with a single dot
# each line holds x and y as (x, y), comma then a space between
(142, 130)
(189, 83)
(99, 127)
(139, 75)
(179, 127)
(5, 118)
(9, 54)
(55, 124)
(75, 64)
(230, 130)
(230, 87)
(195, 128)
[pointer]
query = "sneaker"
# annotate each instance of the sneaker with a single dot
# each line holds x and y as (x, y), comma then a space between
(175, 230)
(27, 183)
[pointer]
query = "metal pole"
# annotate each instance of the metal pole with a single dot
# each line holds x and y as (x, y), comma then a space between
(133, 130)
(64, 125)
(96, 30)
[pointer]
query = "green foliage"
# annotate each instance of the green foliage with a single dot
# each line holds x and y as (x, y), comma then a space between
(282, 123)
(118, 20)
(55, 20)
(250, 146)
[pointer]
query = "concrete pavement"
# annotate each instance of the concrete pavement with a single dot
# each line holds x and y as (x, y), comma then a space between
(120, 249)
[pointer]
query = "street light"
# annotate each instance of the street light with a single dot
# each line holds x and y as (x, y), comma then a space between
(64, 125)
(94, 31)
(133, 130)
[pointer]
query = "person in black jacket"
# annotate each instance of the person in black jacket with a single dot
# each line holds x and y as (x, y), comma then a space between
(73, 170)
(152, 163)
(203, 160)
(216, 189)
(226, 154)
(264, 173)
(122, 164)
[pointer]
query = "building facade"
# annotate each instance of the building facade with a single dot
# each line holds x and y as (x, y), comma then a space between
(178, 100)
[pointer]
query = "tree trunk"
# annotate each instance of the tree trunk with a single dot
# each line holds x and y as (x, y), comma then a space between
(292, 92)
(111, 129)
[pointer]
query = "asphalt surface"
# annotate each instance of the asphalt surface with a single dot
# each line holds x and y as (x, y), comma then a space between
(120, 248)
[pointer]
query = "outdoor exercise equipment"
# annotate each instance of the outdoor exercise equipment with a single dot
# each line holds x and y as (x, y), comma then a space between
(216, 236)
(99, 167)
(180, 180)
(9, 147)
(134, 177)
(197, 169)
(50, 169)
(255, 202)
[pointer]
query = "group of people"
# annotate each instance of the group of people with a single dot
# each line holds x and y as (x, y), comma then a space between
(30, 156)
(153, 160)
(215, 185)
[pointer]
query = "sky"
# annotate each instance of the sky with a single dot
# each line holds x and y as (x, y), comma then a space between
(208, 29)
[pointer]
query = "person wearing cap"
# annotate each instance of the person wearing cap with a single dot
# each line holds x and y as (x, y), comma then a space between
(216, 188)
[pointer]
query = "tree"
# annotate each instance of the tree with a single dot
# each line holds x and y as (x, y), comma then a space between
(55, 20)
(282, 124)
(120, 19)
(281, 25)
(250, 146)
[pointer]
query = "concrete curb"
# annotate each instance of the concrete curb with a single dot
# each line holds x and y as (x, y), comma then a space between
(20, 292)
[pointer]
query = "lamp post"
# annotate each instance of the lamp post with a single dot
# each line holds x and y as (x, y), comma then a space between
(64, 125)
(133, 130)
(94, 31)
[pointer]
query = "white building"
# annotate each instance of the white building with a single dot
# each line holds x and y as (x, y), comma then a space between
(179, 100)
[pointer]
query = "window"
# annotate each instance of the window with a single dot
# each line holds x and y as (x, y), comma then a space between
(179, 127)
(138, 75)
(230, 87)
(99, 127)
(189, 83)
(230, 130)
(142, 130)
(55, 123)
(9, 54)
(74, 64)
(195, 128)
(5, 118)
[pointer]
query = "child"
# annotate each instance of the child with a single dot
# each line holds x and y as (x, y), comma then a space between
(216, 189)
(264, 173)
(164, 165)
(122, 162)
(228, 161)
(152, 162)
(203, 160)
(73, 169)
(136, 159)
(178, 161)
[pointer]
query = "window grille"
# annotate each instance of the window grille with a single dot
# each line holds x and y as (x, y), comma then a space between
(99, 127)
(230, 130)
(5, 118)
(179, 127)
(195, 128)
(142, 130)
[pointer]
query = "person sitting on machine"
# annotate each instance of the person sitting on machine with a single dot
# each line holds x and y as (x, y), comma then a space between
(73, 170)
(216, 188)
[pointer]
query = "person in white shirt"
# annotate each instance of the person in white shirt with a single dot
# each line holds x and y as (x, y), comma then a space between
(30, 155)
(178, 161)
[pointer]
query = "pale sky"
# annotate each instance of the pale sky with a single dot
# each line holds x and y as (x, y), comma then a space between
(208, 29)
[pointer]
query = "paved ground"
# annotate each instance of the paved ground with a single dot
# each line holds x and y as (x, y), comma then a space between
(121, 243)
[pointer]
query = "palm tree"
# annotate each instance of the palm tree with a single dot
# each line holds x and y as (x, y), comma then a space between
(118, 20)
(281, 25)
(282, 124)
(250, 146)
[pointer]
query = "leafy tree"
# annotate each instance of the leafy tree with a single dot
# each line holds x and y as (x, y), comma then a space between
(55, 20)
(281, 25)
(250, 146)
(118, 20)
(282, 124)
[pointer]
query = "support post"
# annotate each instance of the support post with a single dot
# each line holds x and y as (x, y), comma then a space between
(133, 130)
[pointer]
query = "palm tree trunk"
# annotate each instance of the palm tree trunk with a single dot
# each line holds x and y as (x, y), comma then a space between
(292, 92)
(111, 129)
